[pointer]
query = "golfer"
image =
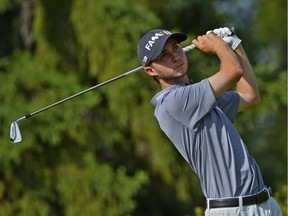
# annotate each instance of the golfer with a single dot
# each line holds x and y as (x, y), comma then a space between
(197, 118)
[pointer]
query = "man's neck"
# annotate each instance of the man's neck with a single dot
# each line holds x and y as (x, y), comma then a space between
(168, 83)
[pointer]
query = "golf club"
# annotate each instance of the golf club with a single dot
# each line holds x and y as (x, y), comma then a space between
(15, 134)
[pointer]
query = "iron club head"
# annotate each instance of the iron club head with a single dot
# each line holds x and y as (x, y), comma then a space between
(15, 134)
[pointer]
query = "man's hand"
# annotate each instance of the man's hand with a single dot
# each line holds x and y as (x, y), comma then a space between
(228, 36)
(221, 32)
(210, 43)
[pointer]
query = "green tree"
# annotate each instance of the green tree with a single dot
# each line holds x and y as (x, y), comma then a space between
(104, 153)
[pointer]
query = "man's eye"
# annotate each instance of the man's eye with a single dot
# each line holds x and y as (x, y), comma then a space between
(164, 56)
(177, 47)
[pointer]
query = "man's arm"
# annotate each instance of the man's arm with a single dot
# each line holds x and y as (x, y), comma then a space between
(247, 86)
(230, 71)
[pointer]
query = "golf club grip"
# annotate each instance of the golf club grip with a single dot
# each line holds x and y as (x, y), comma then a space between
(188, 48)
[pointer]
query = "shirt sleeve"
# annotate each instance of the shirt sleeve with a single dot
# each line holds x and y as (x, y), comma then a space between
(191, 103)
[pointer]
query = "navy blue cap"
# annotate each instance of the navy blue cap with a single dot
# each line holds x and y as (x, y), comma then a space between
(152, 43)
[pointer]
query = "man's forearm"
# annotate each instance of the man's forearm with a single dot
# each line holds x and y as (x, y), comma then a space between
(247, 86)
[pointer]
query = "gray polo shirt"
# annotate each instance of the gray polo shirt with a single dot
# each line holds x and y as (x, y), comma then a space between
(201, 129)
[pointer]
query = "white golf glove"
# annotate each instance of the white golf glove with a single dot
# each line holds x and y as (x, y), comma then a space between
(228, 36)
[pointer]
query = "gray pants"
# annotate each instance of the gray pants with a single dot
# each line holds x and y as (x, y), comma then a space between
(268, 208)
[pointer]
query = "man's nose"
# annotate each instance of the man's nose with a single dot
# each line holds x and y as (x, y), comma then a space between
(175, 56)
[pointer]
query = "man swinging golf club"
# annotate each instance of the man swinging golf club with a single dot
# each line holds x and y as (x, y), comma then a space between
(197, 118)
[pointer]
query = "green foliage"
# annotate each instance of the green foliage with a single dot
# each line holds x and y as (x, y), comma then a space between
(103, 153)
(8, 4)
(275, 25)
(102, 192)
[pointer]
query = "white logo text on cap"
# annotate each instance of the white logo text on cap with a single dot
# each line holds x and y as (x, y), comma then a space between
(150, 43)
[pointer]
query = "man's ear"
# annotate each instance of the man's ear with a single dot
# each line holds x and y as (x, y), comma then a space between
(150, 71)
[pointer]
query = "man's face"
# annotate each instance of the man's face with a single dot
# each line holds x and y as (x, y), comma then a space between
(171, 63)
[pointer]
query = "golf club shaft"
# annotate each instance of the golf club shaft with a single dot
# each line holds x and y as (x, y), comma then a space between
(185, 49)
(83, 92)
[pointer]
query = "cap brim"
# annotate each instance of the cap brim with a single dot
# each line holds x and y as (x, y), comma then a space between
(178, 36)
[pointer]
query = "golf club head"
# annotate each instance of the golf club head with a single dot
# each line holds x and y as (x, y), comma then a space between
(15, 134)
